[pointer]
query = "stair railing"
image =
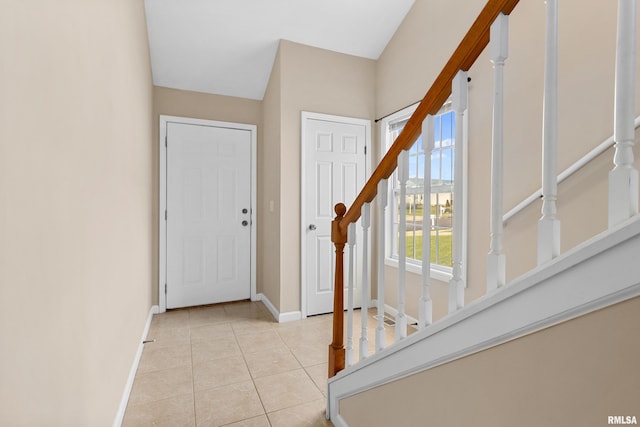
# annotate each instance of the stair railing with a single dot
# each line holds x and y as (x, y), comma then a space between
(575, 167)
(472, 45)
(491, 24)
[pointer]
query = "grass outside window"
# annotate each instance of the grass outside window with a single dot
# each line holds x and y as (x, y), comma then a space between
(440, 255)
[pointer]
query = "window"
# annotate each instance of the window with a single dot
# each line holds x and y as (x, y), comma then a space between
(441, 206)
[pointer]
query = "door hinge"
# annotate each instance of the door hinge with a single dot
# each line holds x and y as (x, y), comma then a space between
(165, 288)
(365, 150)
(165, 141)
(165, 214)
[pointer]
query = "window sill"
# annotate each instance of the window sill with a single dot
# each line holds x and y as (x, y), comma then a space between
(436, 274)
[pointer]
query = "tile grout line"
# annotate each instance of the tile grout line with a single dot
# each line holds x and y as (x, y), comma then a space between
(235, 336)
(304, 368)
(237, 318)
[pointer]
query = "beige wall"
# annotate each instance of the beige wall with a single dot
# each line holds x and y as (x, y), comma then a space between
(419, 49)
(181, 103)
(269, 227)
(319, 81)
(413, 292)
(414, 57)
(575, 373)
(75, 207)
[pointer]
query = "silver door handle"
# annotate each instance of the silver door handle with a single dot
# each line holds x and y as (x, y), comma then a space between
(312, 227)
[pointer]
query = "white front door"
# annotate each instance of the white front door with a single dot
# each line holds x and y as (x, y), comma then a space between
(208, 214)
(334, 171)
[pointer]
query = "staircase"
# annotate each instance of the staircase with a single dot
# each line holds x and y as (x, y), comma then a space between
(601, 272)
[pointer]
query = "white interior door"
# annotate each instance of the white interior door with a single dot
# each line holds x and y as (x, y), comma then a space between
(208, 214)
(335, 172)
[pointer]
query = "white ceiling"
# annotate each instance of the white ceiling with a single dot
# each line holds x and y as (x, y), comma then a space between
(227, 47)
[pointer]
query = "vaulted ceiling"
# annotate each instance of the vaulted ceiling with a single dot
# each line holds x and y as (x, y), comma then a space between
(227, 47)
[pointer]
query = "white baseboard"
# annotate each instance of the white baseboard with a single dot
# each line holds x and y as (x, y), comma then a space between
(340, 422)
(274, 312)
(132, 373)
(290, 316)
(280, 317)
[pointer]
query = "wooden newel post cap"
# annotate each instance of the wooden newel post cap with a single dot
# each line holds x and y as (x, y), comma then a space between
(337, 236)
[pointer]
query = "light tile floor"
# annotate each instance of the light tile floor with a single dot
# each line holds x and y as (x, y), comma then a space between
(231, 365)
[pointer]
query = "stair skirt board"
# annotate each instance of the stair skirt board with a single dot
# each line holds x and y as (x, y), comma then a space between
(567, 287)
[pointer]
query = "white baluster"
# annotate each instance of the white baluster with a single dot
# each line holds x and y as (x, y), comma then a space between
(351, 241)
(623, 179)
(499, 52)
(549, 225)
(456, 284)
(382, 205)
(403, 176)
(365, 218)
(425, 308)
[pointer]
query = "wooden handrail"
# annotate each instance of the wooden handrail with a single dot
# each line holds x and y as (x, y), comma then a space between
(471, 46)
(469, 49)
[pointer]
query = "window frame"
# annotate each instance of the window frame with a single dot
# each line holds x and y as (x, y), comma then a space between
(438, 272)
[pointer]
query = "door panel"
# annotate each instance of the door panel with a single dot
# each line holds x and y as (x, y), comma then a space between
(324, 195)
(324, 279)
(208, 186)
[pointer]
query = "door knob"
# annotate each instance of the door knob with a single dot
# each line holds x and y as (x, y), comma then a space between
(312, 227)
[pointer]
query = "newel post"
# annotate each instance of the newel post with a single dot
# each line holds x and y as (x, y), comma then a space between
(336, 348)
